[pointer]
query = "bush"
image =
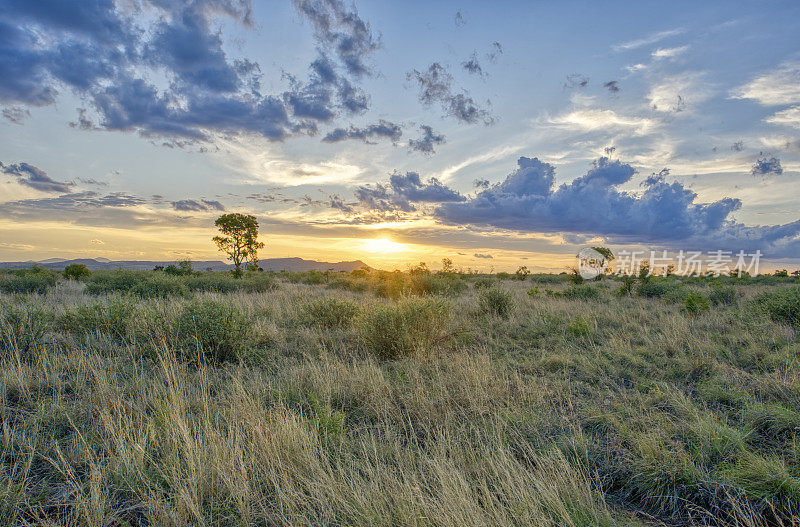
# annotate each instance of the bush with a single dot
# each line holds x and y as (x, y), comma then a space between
(220, 330)
(533, 292)
(724, 295)
(695, 303)
(484, 283)
(496, 302)
(654, 288)
(431, 284)
(113, 318)
(27, 281)
(114, 281)
(782, 305)
(76, 272)
(23, 329)
(160, 286)
(409, 327)
(581, 292)
(259, 283)
(329, 313)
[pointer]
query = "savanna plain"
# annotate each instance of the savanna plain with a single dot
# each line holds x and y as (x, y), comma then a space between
(416, 398)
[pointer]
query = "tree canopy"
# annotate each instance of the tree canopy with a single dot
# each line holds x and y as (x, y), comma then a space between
(238, 238)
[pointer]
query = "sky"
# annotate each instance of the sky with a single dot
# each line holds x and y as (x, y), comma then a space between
(496, 134)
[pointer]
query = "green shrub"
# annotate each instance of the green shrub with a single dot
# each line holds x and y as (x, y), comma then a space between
(579, 327)
(436, 284)
(581, 292)
(653, 288)
(626, 288)
(497, 302)
(23, 329)
(533, 291)
(484, 283)
(782, 305)
(695, 303)
(76, 271)
(160, 286)
(114, 318)
(27, 281)
(220, 330)
(409, 327)
(329, 312)
(723, 295)
(114, 281)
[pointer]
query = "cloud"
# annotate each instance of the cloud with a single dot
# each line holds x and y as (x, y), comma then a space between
(738, 146)
(343, 30)
(496, 51)
(190, 205)
(381, 129)
(576, 80)
(435, 86)
(35, 178)
(787, 117)
(612, 86)
(95, 241)
(651, 39)
(678, 93)
(776, 88)
(426, 143)
(589, 120)
(403, 191)
(669, 53)
(472, 65)
(107, 53)
(664, 214)
(482, 255)
(458, 19)
(16, 114)
(767, 167)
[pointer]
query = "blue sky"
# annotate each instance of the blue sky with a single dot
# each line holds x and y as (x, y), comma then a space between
(129, 126)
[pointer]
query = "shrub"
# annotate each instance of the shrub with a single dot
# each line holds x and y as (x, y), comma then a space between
(35, 280)
(329, 312)
(160, 286)
(259, 283)
(76, 272)
(695, 303)
(23, 329)
(409, 327)
(113, 281)
(533, 291)
(581, 292)
(654, 288)
(431, 284)
(496, 302)
(484, 283)
(221, 330)
(113, 318)
(782, 305)
(723, 295)
(626, 288)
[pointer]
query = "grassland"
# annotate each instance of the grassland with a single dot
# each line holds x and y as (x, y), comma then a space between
(398, 399)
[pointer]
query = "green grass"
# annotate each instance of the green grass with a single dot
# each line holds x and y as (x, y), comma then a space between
(339, 399)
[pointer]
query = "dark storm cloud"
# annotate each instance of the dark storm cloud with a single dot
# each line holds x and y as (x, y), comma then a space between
(435, 87)
(483, 255)
(403, 191)
(738, 146)
(612, 86)
(106, 51)
(767, 167)
(427, 142)
(381, 129)
(190, 205)
(35, 178)
(664, 213)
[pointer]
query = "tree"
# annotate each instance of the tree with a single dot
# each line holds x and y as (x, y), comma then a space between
(239, 238)
(76, 271)
(522, 273)
(447, 265)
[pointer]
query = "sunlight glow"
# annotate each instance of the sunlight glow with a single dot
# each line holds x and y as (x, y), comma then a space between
(382, 245)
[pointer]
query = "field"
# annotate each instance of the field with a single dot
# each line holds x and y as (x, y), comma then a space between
(417, 398)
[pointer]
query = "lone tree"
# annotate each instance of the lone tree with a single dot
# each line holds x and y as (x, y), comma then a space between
(239, 238)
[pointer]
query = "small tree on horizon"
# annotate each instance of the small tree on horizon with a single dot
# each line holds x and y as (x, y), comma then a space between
(239, 239)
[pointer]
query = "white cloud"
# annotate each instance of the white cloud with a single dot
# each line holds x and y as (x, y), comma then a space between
(678, 93)
(787, 117)
(590, 120)
(669, 53)
(778, 87)
(651, 39)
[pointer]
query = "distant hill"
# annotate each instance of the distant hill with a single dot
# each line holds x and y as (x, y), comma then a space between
(268, 264)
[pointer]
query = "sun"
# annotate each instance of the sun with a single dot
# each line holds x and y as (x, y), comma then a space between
(383, 245)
